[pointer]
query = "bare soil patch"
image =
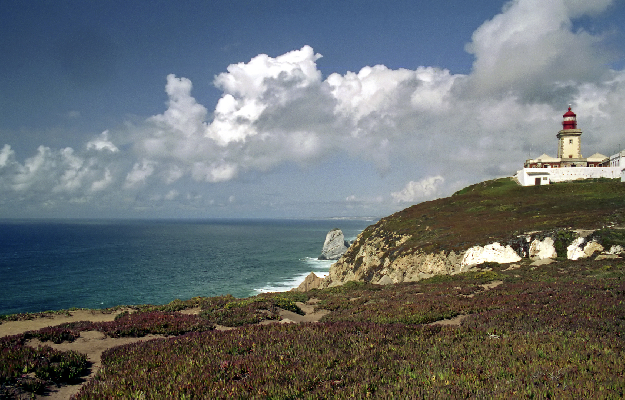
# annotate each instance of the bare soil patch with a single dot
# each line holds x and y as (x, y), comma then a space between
(9, 328)
(455, 321)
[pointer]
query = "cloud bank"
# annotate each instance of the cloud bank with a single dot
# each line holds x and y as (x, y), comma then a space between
(436, 129)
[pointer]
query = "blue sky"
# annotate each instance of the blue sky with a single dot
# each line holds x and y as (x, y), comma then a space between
(291, 108)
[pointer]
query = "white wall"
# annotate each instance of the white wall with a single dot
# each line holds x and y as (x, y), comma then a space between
(618, 160)
(567, 174)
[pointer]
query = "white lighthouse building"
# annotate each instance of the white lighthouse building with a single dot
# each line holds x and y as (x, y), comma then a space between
(569, 164)
(569, 138)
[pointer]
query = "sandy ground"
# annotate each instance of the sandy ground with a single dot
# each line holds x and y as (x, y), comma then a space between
(93, 343)
(90, 343)
(455, 321)
(17, 327)
(291, 317)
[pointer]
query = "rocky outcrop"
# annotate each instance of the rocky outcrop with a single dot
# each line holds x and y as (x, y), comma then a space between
(312, 281)
(494, 252)
(334, 246)
(407, 268)
(381, 258)
(367, 260)
(542, 249)
(578, 249)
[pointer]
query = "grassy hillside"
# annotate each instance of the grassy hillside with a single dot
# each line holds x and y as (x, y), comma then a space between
(553, 331)
(499, 210)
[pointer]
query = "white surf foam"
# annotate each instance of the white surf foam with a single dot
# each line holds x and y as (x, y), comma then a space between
(321, 268)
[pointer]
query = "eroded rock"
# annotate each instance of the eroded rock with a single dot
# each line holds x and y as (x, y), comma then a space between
(577, 250)
(334, 246)
(312, 281)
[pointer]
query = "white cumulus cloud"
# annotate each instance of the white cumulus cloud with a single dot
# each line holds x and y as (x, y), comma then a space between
(6, 156)
(424, 189)
(140, 172)
(530, 63)
(102, 143)
(531, 49)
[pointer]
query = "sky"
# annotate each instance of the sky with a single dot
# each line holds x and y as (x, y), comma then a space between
(292, 109)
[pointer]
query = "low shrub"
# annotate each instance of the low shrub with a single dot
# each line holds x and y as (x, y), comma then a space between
(24, 368)
(54, 334)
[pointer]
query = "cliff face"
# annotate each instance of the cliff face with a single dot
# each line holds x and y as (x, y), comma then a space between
(495, 221)
(368, 260)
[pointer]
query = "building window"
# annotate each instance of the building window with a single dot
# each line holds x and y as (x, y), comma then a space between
(570, 141)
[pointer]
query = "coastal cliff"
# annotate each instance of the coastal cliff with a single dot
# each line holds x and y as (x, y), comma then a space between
(490, 222)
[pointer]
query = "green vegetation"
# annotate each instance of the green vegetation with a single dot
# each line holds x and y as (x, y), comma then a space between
(562, 241)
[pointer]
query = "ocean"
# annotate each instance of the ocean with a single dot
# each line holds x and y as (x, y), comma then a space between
(53, 265)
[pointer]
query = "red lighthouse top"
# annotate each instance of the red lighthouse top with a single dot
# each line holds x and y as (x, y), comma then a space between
(570, 120)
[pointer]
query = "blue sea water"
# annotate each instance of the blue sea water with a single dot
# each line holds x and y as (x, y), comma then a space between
(52, 265)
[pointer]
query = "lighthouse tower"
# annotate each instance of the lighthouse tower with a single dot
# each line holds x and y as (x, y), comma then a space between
(569, 138)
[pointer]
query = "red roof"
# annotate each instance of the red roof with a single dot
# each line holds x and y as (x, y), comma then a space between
(569, 113)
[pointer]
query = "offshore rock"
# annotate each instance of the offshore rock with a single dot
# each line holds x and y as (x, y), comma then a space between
(334, 246)
(312, 281)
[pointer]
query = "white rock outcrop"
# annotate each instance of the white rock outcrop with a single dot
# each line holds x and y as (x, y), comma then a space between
(542, 249)
(577, 250)
(494, 252)
(334, 246)
(574, 251)
(591, 248)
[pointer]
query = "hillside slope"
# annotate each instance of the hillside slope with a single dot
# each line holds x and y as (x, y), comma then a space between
(434, 237)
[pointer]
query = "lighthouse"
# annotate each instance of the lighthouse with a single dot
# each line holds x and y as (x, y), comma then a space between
(570, 165)
(569, 138)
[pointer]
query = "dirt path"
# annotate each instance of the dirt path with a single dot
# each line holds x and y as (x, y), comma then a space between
(457, 320)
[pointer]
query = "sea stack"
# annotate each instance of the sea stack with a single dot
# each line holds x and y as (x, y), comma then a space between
(334, 245)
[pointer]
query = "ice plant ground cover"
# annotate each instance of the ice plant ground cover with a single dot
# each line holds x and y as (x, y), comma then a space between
(28, 369)
(554, 331)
